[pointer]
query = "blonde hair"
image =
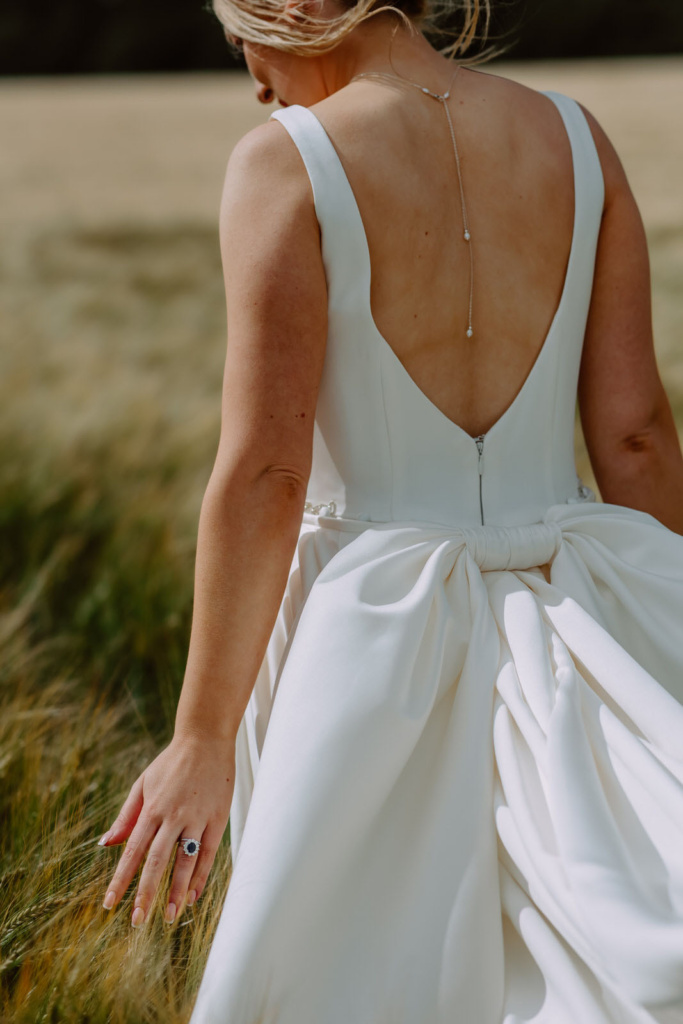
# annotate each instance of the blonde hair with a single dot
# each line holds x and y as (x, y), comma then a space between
(264, 22)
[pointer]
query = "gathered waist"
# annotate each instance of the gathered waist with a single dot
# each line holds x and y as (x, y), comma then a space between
(523, 546)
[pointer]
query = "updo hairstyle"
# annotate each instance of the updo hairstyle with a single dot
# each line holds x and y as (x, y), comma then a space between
(463, 22)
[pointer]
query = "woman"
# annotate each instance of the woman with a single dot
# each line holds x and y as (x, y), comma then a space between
(436, 685)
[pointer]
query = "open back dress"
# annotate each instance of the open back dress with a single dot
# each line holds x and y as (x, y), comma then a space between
(459, 788)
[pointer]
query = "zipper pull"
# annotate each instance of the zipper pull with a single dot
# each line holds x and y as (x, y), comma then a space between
(479, 441)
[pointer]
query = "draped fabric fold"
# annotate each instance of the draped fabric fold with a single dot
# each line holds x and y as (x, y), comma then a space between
(463, 770)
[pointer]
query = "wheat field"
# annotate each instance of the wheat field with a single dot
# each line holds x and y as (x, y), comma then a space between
(112, 326)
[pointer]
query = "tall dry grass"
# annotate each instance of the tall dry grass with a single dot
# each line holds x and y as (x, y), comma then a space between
(112, 326)
(110, 374)
(94, 618)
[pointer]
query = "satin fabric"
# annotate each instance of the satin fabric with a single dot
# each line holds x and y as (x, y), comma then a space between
(459, 791)
(469, 806)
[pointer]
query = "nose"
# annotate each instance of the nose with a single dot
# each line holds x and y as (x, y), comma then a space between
(264, 94)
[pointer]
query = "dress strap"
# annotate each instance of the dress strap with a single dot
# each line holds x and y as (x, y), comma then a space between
(344, 246)
(589, 183)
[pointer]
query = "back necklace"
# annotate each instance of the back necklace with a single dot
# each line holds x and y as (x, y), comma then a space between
(442, 98)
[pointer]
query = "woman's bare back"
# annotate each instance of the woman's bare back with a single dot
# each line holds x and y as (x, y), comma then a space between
(395, 148)
(517, 173)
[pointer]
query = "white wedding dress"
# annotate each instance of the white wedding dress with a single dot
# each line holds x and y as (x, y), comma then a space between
(459, 790)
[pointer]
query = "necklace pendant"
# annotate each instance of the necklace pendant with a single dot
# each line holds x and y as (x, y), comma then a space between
(469, 332)
(467, 236)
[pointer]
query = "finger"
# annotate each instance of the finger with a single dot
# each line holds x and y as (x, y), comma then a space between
(183, 871)
(127, 816)
(160, 853)
(130, 860)
(205, 858)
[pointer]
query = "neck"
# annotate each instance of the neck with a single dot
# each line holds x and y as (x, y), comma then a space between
(384, 44)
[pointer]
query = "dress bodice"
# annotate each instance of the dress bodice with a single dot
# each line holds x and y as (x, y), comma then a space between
(382, 450)
(458, 782)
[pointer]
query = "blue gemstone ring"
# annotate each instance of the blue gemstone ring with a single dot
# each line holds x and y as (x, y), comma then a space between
(190, 846)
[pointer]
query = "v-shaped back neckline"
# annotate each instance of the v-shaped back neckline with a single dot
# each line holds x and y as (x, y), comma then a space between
(361, 235)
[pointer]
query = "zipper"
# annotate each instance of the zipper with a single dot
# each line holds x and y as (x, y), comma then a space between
(479, 441)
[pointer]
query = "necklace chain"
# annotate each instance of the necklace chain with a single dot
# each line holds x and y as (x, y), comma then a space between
(443, 100)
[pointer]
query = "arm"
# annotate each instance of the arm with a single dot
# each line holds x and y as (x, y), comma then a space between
(251, 513)
(627, 421)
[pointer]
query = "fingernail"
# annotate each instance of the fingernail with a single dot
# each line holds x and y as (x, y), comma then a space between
(109, 900)
(170, 913)
(104, 838)
(138, 917)
(191, 897)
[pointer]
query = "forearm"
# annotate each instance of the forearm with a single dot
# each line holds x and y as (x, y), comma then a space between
(647, 475)
(247, 536)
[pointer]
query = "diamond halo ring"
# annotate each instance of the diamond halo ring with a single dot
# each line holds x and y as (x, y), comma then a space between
(190, 846)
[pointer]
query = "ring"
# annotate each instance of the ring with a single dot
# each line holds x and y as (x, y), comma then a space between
(190, 846)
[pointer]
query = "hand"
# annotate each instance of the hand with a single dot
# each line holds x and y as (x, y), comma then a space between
(185, 792)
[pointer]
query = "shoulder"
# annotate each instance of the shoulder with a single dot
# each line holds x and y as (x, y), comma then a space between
(266, 183)
(266, 162)
(532, 101)
(614, 174)
(269, 146)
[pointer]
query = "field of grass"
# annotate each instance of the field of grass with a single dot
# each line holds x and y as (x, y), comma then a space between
(112, 326)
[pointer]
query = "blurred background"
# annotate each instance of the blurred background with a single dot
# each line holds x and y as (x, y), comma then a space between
(107, 36)
(117, 118)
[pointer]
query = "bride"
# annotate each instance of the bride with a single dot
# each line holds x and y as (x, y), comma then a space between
(436, 686)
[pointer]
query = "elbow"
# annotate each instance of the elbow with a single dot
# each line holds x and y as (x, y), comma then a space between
(640, 458)
(272, 499)
(634, 463)
(263, 470)
(643, 431)
(651, 436)
(258, 482)
(639, 443)
(289, 481)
